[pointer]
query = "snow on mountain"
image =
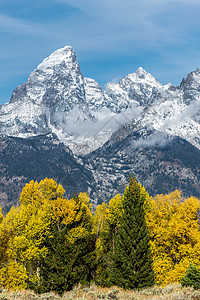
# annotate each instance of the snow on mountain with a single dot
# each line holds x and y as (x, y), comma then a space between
(93, 93)
(58, 99)
(177, 111)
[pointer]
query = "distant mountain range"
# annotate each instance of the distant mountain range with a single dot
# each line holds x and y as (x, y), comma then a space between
(60, 120)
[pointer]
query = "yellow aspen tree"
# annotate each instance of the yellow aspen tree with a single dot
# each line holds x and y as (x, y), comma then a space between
(77, 210)
(106, 221)
(101, 231)
(13, 276)
(4, 238)
(99, 218)
(28, 225)
(175, 236)
(115, 211)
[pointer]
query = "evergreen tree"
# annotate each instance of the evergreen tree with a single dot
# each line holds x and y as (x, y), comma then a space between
(70, 245)
(191, 277)
(132, 265)
(54, 268)
(66, 264)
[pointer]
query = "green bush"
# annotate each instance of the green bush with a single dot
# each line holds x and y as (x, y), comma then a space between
(191, 277)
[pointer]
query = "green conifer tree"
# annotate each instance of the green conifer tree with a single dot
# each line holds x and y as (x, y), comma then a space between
(56, 272)
(71, 249)
(66, 264)
(192, 277)
(132, 265)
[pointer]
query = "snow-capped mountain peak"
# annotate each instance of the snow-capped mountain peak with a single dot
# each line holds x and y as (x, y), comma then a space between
(142, 76)
(59, 56)
(58, 99)
(191, 87)
(141, 73)
(55, 75)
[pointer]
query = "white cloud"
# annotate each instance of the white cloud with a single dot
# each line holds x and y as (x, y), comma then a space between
(9, 24)
(157, 138)
(145, 23)
(189, 112)
(137, 33)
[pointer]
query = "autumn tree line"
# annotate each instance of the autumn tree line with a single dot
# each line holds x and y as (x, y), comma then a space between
(49, 243)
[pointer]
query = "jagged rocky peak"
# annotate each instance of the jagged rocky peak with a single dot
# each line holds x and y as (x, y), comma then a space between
(64, 55)
(140, 87)
(192, 80)
(58, 99)
(191, 87)
(140, 77)
(57, 78)
(141, 72)
(135, 87)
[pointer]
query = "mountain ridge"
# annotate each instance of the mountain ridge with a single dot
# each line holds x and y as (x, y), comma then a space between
(99, 137)
(57, 98)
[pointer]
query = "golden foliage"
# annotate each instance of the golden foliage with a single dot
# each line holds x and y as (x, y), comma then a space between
(171, 220)
(76, 212)
(175, 235)
(99, 218)
(114, 213)
(13, 276)
(106, 221)
(24, 228)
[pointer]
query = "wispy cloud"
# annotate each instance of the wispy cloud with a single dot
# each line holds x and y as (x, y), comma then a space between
(149, 23)
(189, 112)
(9, 24)
(111, 37)
(156, 139)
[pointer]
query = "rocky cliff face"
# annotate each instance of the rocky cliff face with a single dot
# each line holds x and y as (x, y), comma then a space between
(161, 163)
(58, 99)
(137, 125)
(35, 158)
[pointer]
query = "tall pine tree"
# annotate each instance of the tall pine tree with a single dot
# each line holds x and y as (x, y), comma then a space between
(65, 264)
(132, 265)
(70, 245)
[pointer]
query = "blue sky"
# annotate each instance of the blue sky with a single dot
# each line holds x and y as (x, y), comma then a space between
(110, 37)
